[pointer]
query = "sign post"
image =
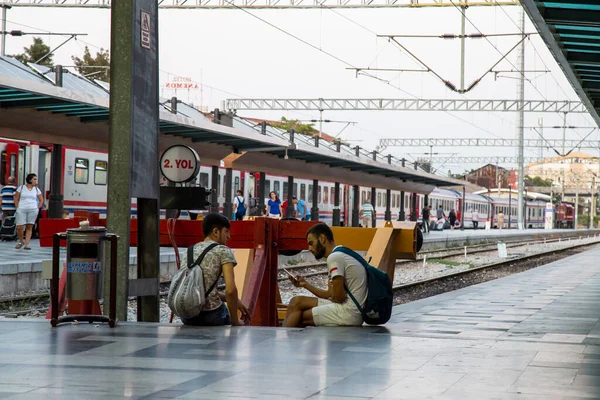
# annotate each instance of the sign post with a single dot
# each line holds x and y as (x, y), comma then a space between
(549, 216)
(133, 152)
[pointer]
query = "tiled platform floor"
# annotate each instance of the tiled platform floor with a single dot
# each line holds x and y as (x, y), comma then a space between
(534, 335)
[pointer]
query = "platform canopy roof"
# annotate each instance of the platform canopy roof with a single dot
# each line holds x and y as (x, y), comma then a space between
(33, 108)
(571, 30)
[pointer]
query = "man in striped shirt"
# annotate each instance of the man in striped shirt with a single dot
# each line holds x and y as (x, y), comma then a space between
(8, 197)
(366, 213)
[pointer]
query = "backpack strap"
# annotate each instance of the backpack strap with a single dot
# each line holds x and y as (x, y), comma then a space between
(364, 263)
(199, 260)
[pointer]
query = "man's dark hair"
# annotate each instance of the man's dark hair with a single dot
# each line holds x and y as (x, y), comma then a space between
(321, 229)
(212, 221)
(294, 198)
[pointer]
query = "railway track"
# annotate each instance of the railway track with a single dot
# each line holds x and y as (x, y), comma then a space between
(439, 255)
(22, 305)
(459, 279)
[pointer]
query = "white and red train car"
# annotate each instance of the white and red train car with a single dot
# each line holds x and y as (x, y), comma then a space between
(85, 176)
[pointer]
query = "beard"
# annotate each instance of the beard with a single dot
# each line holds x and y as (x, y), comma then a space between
(319, 251)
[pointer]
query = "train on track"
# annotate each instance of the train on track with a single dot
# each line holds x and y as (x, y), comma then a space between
(85, 176)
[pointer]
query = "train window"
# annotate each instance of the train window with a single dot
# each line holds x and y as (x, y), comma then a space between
(320, 193)
(295, 192)
(378, 199)
(267, 186)
(203, 179)
(218, 186)
(100, 172)
(363, 197)
(82, 170)
(224, 185)
(285, 191)
(384, 200)
(236, 184)
(303, 191)
(325, 195)
(332, 196)
(276, 187)
(310, 193)
(393, 205)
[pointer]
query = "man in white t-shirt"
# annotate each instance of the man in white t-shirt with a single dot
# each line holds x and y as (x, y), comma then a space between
(333, 307)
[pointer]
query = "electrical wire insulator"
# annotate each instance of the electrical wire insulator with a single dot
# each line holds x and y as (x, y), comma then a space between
(450, 85)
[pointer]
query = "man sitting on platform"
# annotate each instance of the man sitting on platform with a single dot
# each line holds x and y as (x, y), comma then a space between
(333, 306)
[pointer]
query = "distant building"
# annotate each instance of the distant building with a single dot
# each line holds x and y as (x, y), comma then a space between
(577, 169)
(489, 176)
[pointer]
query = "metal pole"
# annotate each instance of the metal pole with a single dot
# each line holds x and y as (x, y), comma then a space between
(576, 201)
(541, 124)
(509, 204)
(520, 156)
(3, 41)
(462, 47)
(562, 196)
(55, 204)
(228, 205)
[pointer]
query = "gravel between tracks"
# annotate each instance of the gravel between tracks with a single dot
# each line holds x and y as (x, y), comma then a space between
(408, 272)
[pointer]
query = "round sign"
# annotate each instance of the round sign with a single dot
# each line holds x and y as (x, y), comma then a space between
(179, 163)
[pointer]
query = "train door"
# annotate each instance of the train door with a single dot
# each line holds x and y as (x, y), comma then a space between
(10, 162)
(251, 184)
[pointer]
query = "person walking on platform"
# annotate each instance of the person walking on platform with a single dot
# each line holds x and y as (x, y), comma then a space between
(218, 260)
(252, 206)
(333, 306)
(239, 207)
(8, 198)
(452, 218)
(425, 219)
(366, 214)
(28, 201)
(275, 210)
(500, 220)
(303, 212)
(475, 218)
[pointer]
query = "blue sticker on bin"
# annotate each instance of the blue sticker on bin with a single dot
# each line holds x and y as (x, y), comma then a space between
(84, 267)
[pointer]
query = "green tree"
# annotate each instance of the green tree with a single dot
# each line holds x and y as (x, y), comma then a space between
(94, 67)
(34, 52)
(296, 125)
(538, 181)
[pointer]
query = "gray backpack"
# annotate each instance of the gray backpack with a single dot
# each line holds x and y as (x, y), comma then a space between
(186, 293)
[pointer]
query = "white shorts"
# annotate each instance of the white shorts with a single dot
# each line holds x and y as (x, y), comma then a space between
(334, 314)
(26, 216)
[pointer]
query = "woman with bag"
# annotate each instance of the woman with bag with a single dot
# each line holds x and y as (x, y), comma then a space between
(193, 295)
(28, 202)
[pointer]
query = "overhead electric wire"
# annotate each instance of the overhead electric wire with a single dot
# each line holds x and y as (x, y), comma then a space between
(497, 49)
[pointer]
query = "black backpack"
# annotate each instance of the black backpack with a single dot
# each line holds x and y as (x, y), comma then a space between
(378, 306)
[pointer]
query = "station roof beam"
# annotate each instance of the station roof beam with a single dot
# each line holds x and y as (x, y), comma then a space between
(571, 31)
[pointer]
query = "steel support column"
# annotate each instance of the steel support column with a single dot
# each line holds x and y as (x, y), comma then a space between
(373, 203)
(291, 209)
(355, 205)
(336, 205)
(214, 183)
(413, 197)
(55, 203)
(388, 198)
(462, 210)
(228, 205)
(314, 211)
(402, 214)
(148, 266)
(261, 195)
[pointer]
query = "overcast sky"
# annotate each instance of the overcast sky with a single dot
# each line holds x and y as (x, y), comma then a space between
(235, 54)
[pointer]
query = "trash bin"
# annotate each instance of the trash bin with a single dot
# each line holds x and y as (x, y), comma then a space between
(85, 263)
